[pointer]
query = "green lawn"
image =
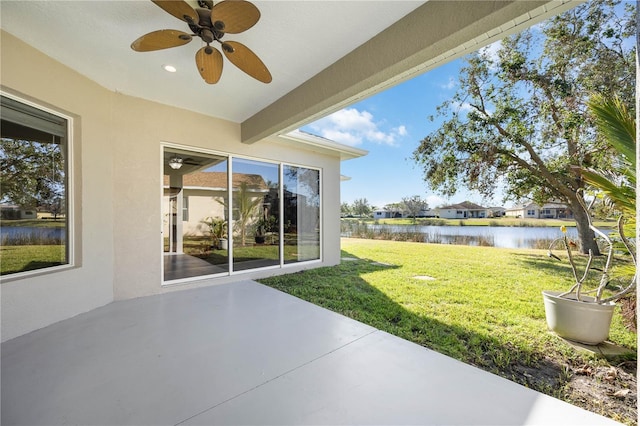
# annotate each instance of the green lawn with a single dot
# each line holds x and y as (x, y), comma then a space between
(483, 305)
(15, 259)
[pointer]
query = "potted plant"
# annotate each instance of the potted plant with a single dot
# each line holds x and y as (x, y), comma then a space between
(260, 231)
(218, 231)
(585, 316)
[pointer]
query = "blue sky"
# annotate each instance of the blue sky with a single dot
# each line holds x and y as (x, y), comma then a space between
(390, 125)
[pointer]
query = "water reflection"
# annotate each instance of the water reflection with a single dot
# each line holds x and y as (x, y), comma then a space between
(493, 236)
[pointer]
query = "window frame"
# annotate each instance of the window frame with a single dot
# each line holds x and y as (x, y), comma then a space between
(70, 191)
(230, 157)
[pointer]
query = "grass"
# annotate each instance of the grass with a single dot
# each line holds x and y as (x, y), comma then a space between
(200, 246)
(14, 259)
(480, 305)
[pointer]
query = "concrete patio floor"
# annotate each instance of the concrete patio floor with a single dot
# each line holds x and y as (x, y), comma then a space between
(243, 353)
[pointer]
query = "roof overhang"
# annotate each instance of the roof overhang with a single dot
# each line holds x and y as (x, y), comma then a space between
(322, 145)
(431, 35)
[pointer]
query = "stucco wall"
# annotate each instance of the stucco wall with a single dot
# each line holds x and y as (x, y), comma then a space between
(118, 144)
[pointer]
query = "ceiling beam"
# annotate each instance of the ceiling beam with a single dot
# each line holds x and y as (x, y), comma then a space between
(433, 34)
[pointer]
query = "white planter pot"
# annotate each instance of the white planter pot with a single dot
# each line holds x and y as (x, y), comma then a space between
(223, 244)
(584, 322)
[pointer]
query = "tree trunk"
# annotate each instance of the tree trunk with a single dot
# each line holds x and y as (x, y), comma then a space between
(585, 234)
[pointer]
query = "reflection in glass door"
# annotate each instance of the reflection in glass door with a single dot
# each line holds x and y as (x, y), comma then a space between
(256, 214)
(301, 214)
(195, 214)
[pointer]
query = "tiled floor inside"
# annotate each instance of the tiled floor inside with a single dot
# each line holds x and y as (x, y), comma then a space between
(243, 353)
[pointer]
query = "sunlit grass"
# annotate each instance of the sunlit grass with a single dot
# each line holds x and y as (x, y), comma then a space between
(480, 305)
(14, 259)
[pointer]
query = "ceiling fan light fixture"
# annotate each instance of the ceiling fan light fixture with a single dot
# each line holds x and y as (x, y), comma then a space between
(169, 68)
(175, 163)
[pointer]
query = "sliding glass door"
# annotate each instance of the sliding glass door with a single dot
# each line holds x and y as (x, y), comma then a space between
(224, 214)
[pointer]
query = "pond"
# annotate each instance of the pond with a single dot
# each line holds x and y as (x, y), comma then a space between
(493, 236)
(23, 235)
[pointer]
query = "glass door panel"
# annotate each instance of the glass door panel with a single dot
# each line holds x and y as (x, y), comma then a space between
(256, 216)
(301, 214)
(195, 214)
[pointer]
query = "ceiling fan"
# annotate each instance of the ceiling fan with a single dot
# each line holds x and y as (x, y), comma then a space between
(210, 22)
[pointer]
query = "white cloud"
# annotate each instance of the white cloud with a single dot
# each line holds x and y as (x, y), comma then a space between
(435, 201)
(449, 84)
(490, 52)
(461, 106)
(352, 127)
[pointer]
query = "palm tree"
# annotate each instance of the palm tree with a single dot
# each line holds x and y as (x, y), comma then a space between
(246, 204)
(618, 126)
(618, 185)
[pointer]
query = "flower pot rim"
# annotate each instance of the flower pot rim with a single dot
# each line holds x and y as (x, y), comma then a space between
(571, 297)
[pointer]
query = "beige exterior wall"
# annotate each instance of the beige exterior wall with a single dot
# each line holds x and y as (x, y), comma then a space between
(118, 188)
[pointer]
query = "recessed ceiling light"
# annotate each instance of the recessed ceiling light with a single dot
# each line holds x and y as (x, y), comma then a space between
(169, 68)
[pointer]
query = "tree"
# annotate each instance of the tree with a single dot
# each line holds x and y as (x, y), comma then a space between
(32, 174)
(345, 209)
(520, 117)
(361, 207)
(246, 204)
(412, 206)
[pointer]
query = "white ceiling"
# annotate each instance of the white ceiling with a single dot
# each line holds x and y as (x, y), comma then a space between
(295, 39)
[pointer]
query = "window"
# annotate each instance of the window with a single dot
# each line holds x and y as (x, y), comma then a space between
(34, 188)
(531, 212)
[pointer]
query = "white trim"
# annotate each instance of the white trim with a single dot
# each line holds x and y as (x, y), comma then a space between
(321, 144)
(69, 195)
(281, 210)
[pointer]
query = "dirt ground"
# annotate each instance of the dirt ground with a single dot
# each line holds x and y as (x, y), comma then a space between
(605, 388)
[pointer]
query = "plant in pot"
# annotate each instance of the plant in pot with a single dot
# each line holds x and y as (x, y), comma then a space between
(585, 315)
(578, 314)
(218, 231)
(259, 234)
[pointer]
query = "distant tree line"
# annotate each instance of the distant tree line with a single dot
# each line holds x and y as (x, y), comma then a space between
(408, 207)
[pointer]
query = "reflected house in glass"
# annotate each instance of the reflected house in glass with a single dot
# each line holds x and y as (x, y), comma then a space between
(201, 188)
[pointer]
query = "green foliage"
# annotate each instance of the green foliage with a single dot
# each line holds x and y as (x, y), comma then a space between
(361, 207)
(412, 206)
(520, 117)
(217, 228)
(32, 174)
(345, 209)
(246, 204)
(617, 125)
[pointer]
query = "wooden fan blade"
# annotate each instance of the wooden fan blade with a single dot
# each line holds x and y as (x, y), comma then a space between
(177, 8)
(209, 64)
(243, 58)
(161, 39)
(237, 15)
